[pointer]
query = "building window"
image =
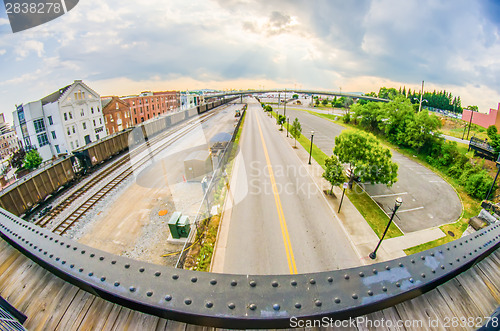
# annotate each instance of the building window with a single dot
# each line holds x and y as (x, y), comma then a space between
(84, 125)
(72, 146)
(94, 122)
(98, 110)
(69, 132)
(116, 105)
(65, 116)
(118, 115)
(50, 120)
(82, 113)
(42, 139)
(77, 145)
(70, 115)
(74, 129)
(39, 125)
(83, 95)
(92, 109)
(100, 121)
(111, 118)
(76, 96)
(57, 149)
(54, 135)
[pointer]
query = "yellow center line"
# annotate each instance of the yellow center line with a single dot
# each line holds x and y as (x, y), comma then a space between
(284, 230)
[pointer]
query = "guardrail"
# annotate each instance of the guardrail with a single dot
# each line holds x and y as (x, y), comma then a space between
(250, 301)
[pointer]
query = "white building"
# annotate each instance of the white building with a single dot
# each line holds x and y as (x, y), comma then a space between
(61, 122)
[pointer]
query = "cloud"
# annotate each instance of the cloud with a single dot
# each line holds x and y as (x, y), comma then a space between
(2, 52)
(4, 21)
(26, 47)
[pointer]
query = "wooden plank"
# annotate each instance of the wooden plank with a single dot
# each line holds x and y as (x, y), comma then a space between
(458, 300)
(176, 326)
(123, 320)
(478, 292)
(101, 308)
(76, 311)
(112, 318)
(60, 306)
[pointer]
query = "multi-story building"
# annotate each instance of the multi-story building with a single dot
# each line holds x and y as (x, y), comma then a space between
(116, 114)
(148, 105)
(60, 122)
(9, 144)
(189, 100)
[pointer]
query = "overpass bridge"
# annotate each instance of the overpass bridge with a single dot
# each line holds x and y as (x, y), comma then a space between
(461, 278)
(309, 92)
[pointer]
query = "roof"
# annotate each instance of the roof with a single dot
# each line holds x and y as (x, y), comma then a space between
(55, 96)
(106, 101)
(202, 155)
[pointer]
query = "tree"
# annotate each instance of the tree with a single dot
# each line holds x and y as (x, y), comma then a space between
(494, 137)
(333, 172)
(295, 96)
(324, 102)
(296, 130)
(421, 130)
(32, 160)
(18, 159)
(280, 119)
(316, 102)
(367, 158)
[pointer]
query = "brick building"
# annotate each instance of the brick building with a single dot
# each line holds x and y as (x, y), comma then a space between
(9, 143)
(149, 105)
(482, 119)
(116, 114)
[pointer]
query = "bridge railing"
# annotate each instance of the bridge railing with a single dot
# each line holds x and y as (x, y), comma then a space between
(250, 301)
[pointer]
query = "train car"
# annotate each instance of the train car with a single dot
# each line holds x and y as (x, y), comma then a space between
(34, 188)
(101, 150)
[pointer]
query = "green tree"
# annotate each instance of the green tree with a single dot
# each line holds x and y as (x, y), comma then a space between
(494, 137)
(421, 131)
(295, 96)
(324, 102)
(333, 172)
(32, 159)
(296, 130)
(280, 119)
(316, 101)
(367, 158)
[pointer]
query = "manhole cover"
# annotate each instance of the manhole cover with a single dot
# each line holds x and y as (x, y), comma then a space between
(163, 212)
(451, 233)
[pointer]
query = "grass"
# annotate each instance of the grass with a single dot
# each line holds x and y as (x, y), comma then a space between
(373, 214)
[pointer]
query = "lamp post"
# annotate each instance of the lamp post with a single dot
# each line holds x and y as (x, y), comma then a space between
(399, 201)
(311, 149)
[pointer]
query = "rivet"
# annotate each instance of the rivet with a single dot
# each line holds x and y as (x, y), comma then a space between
(168, 297)
(312, 281)
(423, 275)
(68, 246)
(127, 266)
(337, 300)
(91, 274)
(317, 303)
(141, 269)
(354, 296)
(103, 279)
(370, 292)
(375, 271)
(75, 248)
(132, 289)
(400, 264)
(92, 255)
(117, 284)
(422, 257)
(101, 258)
(293, 282)
(83, 252)
(209, 304)
(298, 305)
(433, 271)
(274, 283)
(57, 259)
(387, 267)
(253, 283)
(231, 305)
(150, 293)
(188, 301)
(157, 274)
(346, 276)
(330, 279)
(252, 306)
(72, 266)
(51, 255)
(175, 277)
(194, 280)
(412, 261)
(234, 283)
(276, 307)
(397, 284)
(361, 274)
(412, 280)
(80, 270)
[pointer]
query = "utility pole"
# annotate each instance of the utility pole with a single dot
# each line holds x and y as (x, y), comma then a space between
(421, 95)
(284, 106)
(470, 123)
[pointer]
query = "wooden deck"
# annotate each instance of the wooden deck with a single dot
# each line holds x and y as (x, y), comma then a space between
(53, 304)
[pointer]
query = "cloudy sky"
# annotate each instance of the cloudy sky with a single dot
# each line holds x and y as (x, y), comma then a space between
(123, 47)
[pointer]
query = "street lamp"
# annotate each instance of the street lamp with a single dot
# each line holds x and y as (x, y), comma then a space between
(399, 201)
(311, 149)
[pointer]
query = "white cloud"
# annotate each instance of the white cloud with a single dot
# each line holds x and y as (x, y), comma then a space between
(2, 52)
(4, 21)
(25, 48)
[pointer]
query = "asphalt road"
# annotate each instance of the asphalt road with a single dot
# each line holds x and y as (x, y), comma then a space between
(280, 222)
(428, 200)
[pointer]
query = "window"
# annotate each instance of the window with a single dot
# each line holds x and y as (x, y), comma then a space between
(39, 125)
(97, 137)
(98, 110)
(118, 115)
(92, 109)
(76, 96)
(77, 145)
(135, 113)
(106, 119)
(74, 129)
(65, 116)
(82, 113)
(94, 122)
(72, 146)
(153, 107)
(147, 108)
(83, 95)
(69, 132)
(53, 135)
(84, 125)
(111, 118)
(100, 121)
(42, 139)
(70, 115)
(50, 120)
(116, 105)
(57, 149)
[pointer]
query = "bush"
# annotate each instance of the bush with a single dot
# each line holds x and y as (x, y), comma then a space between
(478, 184)
(346, 118)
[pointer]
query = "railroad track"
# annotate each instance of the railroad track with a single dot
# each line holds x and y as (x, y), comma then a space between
(68, 222)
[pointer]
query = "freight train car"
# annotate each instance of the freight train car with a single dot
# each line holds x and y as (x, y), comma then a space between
(101, 150)
(29, 191)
